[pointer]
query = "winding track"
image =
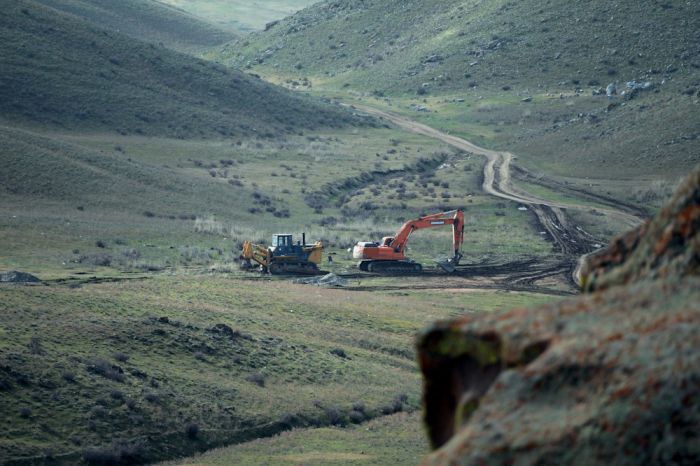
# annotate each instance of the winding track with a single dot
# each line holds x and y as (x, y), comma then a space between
(571, 240)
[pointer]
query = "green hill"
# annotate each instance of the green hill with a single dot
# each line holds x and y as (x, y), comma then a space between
(147, 20)
(396, 46)
(525, 76)
(61, 72)
(240, 15)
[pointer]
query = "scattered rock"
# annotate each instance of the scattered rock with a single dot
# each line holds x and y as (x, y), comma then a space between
(330, 279)
(434, 59)
(14, 276)
(611, 90)
(419, 108)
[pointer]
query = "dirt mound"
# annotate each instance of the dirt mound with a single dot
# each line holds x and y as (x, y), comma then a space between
(13, 276)
(612, 377)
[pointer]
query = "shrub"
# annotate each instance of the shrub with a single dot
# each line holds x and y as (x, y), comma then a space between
(340, 352)
(103, 368)
(334, 415)
(284, 213)
(100, 260)
(257, 378)
(152, 397)
(397, 404)
(120, 452)
(68, 376)
(100, 244)
(328, 221)
(99, 411)
(198, 355)
(25, 412)
(358, 406)
(121, 357)
(192, 430)
(356, 417)
(116, 394)
(35, 346)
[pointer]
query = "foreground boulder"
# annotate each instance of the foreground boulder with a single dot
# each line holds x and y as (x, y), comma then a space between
(611, 377)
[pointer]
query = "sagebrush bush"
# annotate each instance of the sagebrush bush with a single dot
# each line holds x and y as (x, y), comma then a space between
(103, 368)
(257, 378)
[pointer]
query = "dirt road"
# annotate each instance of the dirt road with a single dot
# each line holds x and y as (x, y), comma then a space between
(571, 240)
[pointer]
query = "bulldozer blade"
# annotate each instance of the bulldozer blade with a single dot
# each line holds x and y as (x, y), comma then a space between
(447, 266)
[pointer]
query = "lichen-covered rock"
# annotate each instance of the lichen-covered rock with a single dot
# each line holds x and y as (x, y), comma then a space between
(611, 377)
(669, 245)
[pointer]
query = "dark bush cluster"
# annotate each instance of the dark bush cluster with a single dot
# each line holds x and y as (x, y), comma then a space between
(102, 367)
(192, 430)
(257, 378)
(118, 453)
(340, 352)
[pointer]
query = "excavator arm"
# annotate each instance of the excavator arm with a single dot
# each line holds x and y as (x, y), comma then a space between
(452, 217)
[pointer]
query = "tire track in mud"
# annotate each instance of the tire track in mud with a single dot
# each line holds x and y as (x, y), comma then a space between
(571, 241)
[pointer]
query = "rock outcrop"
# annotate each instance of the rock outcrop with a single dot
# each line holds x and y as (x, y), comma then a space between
(611, 377)
(13, 276)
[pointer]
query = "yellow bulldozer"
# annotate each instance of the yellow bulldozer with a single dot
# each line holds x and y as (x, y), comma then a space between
(283, 256)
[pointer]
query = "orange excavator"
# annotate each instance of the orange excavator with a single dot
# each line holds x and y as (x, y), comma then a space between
(388, 256)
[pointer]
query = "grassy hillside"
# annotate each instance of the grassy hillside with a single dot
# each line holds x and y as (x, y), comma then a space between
(517, 75)
(61, 72)
(397, 439)
(240, 15)
(146, 20)
(153, 369)
(102, 202)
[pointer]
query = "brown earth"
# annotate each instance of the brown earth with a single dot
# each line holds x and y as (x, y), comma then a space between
(612, 377)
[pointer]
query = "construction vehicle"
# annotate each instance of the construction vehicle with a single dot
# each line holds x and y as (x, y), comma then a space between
(283, 256)
(389, 255)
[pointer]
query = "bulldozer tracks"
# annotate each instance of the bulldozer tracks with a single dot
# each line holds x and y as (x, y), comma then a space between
(570, 240)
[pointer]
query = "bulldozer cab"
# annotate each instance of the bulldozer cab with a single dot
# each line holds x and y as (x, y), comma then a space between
(282, 244)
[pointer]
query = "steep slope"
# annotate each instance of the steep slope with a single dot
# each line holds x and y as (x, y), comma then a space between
(499, 42)
(61, 72)
(527, 76)
(147, 20)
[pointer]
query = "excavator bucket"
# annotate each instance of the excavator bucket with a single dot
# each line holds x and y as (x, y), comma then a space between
(450, 265)
(446, 265)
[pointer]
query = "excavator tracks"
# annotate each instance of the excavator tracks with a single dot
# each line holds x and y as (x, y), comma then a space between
(391, 267)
